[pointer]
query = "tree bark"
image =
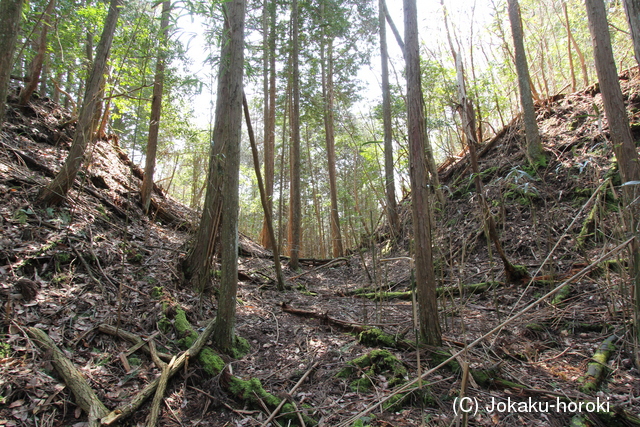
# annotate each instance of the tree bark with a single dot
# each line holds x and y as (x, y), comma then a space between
(198, 261)
(270, 123)
(623, 143)
(295, 208)
(156, 109)
(328, 95)
(534, 151)
(57, 190)
(632, 9)
(390, 186)
(425, 277)
(228, 128)
(10, 15)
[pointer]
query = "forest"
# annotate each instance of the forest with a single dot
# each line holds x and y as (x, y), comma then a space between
(320, 213)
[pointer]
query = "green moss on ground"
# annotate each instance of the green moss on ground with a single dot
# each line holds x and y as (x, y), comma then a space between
(157, 292)
(418, 398)
(241, 347)
(439, 356)
(370, 367)
(375, 337)
(562, 294)
(252, 392)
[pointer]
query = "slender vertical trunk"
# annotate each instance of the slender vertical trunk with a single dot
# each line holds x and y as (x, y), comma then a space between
(228, 128)
(68, 99)
(44, 76)
(326, 61)
(632, 9)
(425, 276)
(534, 151)
(295, 208)
(269, 87)
(156, 109)
(316, 202)
(38, 60)
(389, 181)
(57, 190)
(10, 14)
(56, 91)
(263, 194)
(569, 51)
(623, 142)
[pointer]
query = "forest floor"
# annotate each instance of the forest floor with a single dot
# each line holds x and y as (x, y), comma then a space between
(99, 260)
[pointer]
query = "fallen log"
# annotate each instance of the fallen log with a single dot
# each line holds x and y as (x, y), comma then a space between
(598, 368)
(86, 398)
(367, 335)
(324, 317)
(474, 288)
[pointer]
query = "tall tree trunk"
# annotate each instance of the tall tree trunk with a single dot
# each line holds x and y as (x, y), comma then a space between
(10, 15)
(156, 109)
(57, 190)
(197, 263)
(425, 276)
(389, 180)
(326, 61)
(316, 201)
(228, 128)
(623, 143)
(632, 8)
(295, 208)
(534, 151)
(569, 51)
(263, 194)
(38, 60)
(270, 124)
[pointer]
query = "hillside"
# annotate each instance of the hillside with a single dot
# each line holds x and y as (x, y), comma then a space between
(98, 260)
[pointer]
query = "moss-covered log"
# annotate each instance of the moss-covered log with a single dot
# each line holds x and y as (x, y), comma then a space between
(598, 369)
(475, 288)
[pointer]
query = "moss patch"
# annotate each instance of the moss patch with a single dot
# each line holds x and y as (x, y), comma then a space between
(211, 362)
(439, 356)
(251, 391)
(157, 292)
(375, 337)
(240, 347)
(371, 367)
(418, 398)
(184, 329)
